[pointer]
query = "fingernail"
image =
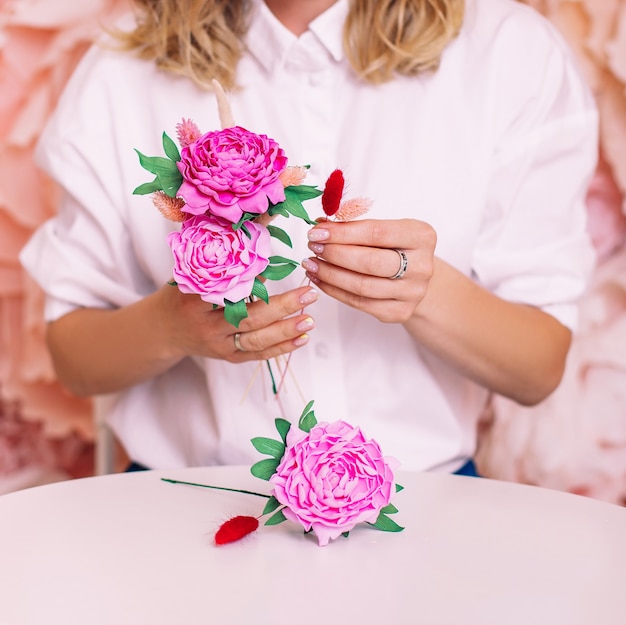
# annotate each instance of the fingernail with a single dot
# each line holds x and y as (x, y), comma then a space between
(303, 339)
(309, 297)
(318, 234)
(317, 248)
(305, 324)
(310, 265)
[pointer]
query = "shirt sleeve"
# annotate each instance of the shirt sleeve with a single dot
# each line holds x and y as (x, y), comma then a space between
(85, 256)
(533, 245)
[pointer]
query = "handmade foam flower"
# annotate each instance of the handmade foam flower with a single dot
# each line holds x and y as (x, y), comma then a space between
(240, 181)
(332, 478)
(328, 477)
(231, 172)
(215, 261)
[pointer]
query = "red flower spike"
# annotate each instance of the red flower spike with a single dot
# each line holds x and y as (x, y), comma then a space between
(235, 529)
(333, 191)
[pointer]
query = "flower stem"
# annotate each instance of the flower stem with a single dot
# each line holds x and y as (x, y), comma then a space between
(269, 367)
(232, 490)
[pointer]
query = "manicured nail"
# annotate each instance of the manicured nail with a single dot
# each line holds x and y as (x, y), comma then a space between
(316, 248)
(309, 297)
(318, 234)
(306, 324)
(310, 265)
(303, 339)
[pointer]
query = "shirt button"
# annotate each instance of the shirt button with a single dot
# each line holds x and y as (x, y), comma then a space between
(315, 80)
(321, 350)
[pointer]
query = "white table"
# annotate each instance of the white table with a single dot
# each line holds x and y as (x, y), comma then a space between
(132, 549)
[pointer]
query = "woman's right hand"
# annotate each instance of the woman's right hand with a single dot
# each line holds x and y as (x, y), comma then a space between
(98, 351)
(196, 328)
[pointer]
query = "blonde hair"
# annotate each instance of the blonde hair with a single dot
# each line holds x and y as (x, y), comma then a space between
(202, 39)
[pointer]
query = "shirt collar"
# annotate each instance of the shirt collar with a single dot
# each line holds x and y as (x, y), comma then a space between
(272, 44)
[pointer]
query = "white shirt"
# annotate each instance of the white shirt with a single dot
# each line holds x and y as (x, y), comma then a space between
(494, 150)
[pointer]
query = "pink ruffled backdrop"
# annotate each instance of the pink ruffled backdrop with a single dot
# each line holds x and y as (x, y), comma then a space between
(45, 434)
(575, 441)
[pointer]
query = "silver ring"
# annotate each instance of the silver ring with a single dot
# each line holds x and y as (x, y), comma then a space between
(404, 264)
(237, 338)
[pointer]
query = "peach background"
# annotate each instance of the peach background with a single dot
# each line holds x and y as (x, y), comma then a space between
(574, 441)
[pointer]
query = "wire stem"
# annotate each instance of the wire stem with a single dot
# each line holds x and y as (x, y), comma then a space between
(232, 490)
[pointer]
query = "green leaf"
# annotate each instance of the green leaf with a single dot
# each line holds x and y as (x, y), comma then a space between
(170, 148)
(269, 446)
(242, 220)
(308, 422)
(259, 290)
(148, 187)
(173, 283)
(283, 426)
(244, 227)
(157, 164)
(235, 312)
(345, 534)
(399, 488)
(307, 409)
(307, 418)
(271, 505)
(264, 469)
(280, 234)
(170, 182)
(276, 260)
(277, 272)
(385, 524)
(303, 192)
(277, 518)
(278, 209)
(294, 207)
(389, 509)
(167, 175)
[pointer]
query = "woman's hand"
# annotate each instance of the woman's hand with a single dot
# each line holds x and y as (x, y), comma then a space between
(195, 328)
(99, 351)
(355, 262)
(512, 349)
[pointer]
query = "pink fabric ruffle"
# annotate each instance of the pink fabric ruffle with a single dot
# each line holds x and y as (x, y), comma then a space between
(40, 44)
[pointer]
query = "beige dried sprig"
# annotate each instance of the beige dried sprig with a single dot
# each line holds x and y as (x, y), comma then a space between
(170, 207)
(353, 208)
(292, 176)
(223, 106)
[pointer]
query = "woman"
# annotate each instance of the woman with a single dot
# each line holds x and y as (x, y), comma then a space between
(475, 149)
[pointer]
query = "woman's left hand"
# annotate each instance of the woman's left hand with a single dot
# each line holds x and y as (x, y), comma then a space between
(357, 263)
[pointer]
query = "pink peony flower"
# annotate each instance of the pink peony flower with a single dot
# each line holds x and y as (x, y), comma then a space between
(215, 261)
(230, 172)
(332, 478)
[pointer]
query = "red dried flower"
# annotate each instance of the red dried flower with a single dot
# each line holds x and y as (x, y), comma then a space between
(333, 191)
(235, 529)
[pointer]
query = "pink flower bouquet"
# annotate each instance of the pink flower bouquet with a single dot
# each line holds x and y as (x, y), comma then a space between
(224, 187)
